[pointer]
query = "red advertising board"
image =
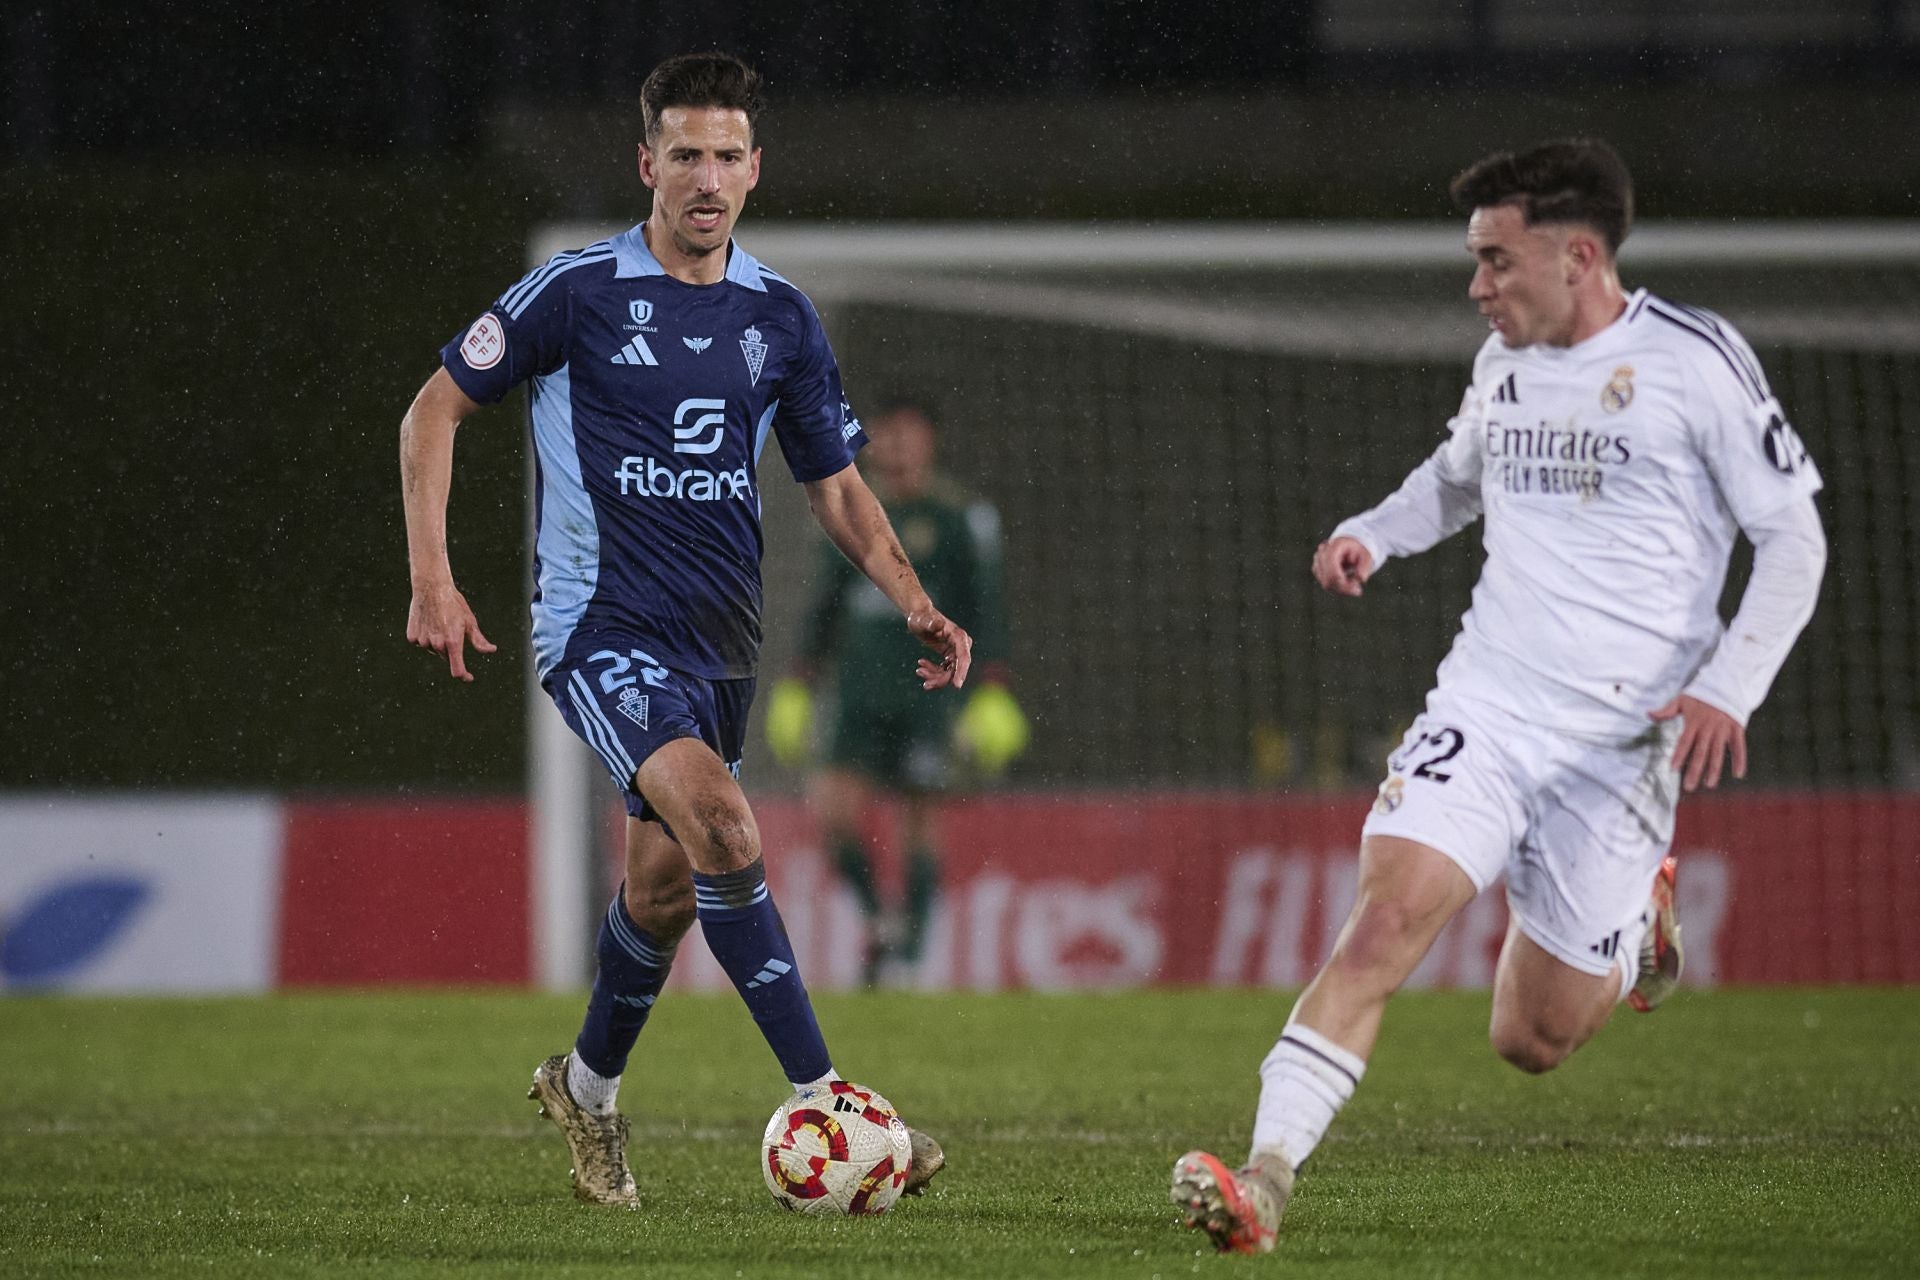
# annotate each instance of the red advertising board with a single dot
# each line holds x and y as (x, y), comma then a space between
(424, 892)
(1087, 890)
(1114, 889)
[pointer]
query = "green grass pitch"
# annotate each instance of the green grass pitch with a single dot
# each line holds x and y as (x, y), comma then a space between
(1739, 1133)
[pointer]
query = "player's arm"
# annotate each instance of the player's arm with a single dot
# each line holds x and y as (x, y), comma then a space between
(1766, 478)
(1439, 498)
(855, 523)
(439, 618)
(1789, 560)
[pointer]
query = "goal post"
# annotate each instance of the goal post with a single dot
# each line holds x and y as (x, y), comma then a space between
(1169, 415)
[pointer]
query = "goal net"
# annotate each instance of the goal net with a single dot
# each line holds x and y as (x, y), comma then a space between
(1170, 418)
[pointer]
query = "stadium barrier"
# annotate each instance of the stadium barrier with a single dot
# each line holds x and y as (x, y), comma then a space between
(1058, 891)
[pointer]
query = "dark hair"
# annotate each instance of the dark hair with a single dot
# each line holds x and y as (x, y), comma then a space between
(700, 80)
(1568, 180)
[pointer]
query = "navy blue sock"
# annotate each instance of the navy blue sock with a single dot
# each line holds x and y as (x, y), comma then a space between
(633, 968)
(745, 935)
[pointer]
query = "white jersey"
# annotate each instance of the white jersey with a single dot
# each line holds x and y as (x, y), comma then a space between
(1614, 476)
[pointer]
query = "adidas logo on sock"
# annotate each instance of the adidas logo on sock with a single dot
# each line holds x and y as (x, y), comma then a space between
(770, 972)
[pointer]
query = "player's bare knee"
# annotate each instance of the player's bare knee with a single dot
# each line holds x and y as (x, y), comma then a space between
(1528, 1045)
(723, 836)
(1535, 1057)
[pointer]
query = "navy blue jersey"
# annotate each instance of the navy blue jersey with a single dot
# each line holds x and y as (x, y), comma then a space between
(651, 400)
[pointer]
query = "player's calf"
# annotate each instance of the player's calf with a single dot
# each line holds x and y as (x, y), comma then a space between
(743, 930)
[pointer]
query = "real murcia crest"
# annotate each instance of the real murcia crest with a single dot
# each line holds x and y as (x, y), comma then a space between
(633, 705)
(755, 352)
(1618, 393)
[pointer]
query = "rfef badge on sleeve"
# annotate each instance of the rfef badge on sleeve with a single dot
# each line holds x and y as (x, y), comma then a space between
(485, 343)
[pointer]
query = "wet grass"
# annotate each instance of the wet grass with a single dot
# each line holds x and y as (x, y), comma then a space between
(1739, 1132)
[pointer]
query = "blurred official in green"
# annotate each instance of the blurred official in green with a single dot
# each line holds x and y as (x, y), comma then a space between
(886, 737)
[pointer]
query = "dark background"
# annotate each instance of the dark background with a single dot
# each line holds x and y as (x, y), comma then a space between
(235, 236)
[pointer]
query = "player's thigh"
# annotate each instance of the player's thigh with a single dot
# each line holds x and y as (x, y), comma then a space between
(659, 882)
(1452, 787)
(700, 801)
(626, 707)
(1540, 998)
(1407, 892)
(1601, 828)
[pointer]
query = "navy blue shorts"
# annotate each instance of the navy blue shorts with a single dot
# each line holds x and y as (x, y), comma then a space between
(626, 706)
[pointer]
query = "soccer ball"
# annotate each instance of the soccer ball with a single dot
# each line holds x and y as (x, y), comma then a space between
(836, 1148)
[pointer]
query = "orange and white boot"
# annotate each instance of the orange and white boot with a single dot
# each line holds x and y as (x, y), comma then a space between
(1660, 950)
(1238, 1209)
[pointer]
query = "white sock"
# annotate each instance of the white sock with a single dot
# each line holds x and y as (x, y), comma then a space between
(1303, 1084)
(828, 1078)
(1626, 955)
(594, 1092)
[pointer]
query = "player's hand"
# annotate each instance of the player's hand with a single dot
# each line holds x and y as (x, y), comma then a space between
(1707, 734)
(440, 620)
(992, 728)
(790, 721)
(1342, 565)
(945, 637)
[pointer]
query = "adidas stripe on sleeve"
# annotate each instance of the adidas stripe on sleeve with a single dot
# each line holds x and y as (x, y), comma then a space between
(523, 334)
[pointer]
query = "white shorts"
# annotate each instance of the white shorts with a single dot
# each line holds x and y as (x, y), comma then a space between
(1578, 827)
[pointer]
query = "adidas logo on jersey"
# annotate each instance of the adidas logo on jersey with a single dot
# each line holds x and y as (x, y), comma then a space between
(1507, 392)
(635, 352)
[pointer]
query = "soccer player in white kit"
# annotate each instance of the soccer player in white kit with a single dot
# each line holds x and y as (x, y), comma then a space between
(1615, 444)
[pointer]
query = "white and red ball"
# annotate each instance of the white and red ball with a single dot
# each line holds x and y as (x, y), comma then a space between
(836, 1148)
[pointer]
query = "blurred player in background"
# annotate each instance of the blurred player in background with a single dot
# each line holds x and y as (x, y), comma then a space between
(659, 361)
(1616, 444)
(884, 736)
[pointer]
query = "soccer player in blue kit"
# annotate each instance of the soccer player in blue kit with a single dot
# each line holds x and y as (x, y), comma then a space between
(658, 362)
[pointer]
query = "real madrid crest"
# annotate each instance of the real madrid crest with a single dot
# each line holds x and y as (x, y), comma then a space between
(1618, 393)
(1392, 792)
